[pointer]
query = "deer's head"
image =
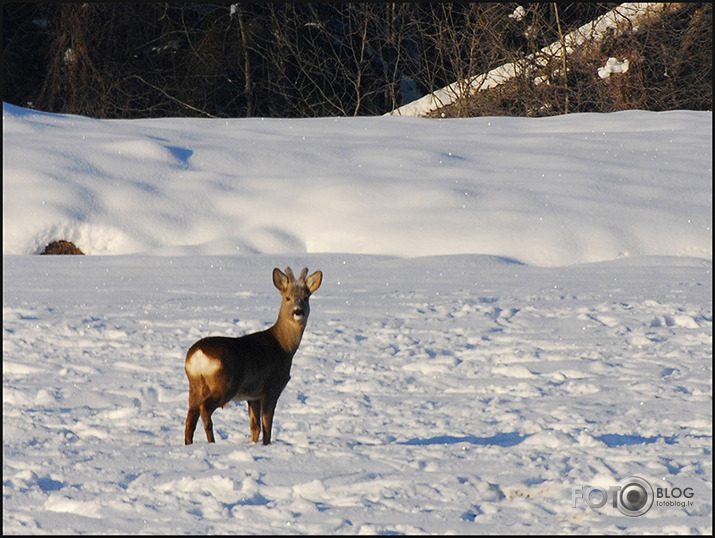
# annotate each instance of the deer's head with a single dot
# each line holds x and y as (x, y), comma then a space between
(296, 293)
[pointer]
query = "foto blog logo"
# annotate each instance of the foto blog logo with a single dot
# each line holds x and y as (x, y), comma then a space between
(632, 496)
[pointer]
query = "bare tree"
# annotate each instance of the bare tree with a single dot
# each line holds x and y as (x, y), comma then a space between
(123, 60)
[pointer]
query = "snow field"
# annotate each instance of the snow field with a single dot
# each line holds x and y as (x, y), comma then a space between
(444, 394)
(512, 308)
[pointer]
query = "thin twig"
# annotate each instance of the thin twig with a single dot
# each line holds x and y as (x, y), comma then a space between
(179, 101)
(563, 57)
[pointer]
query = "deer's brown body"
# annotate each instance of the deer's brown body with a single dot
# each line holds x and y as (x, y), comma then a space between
(254, 367)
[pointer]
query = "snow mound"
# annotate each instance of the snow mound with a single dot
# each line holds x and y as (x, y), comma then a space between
(549, 191)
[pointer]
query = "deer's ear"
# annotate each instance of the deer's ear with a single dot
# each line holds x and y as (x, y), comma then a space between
(280, 280)
(313, 281)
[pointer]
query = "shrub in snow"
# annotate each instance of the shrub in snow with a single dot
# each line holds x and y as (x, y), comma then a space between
(61, 247)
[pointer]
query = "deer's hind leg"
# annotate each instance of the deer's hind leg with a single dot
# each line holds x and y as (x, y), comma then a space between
(207, 408)
(191, 419)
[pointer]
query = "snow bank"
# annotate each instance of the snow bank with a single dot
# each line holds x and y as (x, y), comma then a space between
(549, 192)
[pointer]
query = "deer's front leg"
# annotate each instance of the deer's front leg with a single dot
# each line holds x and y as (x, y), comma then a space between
(254, 413)
(268, 410)
(268, 422)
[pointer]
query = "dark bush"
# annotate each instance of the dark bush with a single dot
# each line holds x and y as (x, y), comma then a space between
(61, 247)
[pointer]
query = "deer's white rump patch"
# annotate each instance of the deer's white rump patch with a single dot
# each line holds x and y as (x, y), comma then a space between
(201, 364)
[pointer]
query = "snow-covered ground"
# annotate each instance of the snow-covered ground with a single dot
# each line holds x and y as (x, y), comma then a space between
(513, 310)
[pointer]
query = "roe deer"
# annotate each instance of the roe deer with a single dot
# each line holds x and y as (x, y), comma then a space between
(254, 367)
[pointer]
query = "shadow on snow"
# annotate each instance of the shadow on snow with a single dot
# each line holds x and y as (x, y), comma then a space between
(500, 439)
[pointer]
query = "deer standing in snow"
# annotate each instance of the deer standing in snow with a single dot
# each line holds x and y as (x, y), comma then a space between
(254, 367)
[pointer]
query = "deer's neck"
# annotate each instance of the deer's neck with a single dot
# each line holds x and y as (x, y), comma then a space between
(288, 334)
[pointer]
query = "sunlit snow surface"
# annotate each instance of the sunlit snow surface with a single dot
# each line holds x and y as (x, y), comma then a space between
(548, 192)
(512, 308)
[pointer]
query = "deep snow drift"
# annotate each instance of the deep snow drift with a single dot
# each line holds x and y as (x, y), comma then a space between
(513, 310)
(547, 192)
